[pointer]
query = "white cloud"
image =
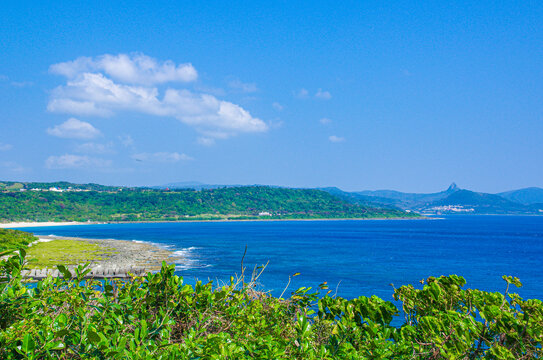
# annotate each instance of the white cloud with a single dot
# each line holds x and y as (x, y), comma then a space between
(70, 161)
(5, 147)
(210, 115)
(205, 141)
(132, 68)
(74, 129)
(243, 87)
(76, 107)
(210, 90)
(95, 148)
(162, 157)
(336, 139)
(12, 166)
(277, 106)
(325, 95)
(302, 93)
(325, 121)
(21, 84)
(94, 93)
(126, 140)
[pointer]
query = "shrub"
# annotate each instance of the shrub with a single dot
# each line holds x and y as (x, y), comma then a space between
(157, 316)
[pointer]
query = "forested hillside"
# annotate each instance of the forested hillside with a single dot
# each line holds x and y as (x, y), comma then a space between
(158, 205)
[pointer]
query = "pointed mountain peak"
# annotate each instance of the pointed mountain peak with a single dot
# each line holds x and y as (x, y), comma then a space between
(453, 187)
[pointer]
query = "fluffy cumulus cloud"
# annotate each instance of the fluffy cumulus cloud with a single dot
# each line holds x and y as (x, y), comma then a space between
(70, 161)
(109, 84)
(74, 129)
(128, 68)
(162, 157)
(336, 139)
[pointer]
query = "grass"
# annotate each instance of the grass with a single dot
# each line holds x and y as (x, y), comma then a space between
(65, 252)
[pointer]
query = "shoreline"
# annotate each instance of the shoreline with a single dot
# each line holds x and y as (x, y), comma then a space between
(74, 223)
(44, 224)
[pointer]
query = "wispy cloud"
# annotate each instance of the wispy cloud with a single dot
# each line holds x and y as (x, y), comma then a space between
(217, 91)
(237, 84)
(70, 161)
(325, 121)
(302, 93)
(162, 157)
(320, 94)
(126, 140)
(5, 147)
(324, 95)
(95, 148)
(205, 141)
(91, 90)
(21, 84)
(74, 129)
(277, 106)
(12, 166)
(336, 139)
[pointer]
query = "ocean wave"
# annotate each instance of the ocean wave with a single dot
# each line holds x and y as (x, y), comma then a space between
(185, 252)
(158, 245)
(191, 266)
(189, 259)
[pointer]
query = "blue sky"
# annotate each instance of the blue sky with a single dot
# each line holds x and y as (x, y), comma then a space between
(360, 95)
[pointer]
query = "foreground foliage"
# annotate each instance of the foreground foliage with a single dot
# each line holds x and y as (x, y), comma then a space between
(159, 317)
(248, 202)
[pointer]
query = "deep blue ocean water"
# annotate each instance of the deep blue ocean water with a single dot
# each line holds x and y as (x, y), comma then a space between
(356, 257)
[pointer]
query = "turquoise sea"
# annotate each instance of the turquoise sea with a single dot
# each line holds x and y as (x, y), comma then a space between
(354, 257)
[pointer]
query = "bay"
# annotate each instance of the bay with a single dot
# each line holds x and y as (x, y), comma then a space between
(354, 257)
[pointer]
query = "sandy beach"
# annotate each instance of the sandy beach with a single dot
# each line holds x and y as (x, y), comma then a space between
(40, 224)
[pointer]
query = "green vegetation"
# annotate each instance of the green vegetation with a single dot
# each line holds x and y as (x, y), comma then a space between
(156, 205)
(14, 239)
(10, 185)
(66, 252)
(159, 317)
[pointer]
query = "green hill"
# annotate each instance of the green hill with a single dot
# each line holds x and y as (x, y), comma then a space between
(158, 205)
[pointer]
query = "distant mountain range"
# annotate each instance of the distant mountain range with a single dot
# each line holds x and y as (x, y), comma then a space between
(452, 201)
